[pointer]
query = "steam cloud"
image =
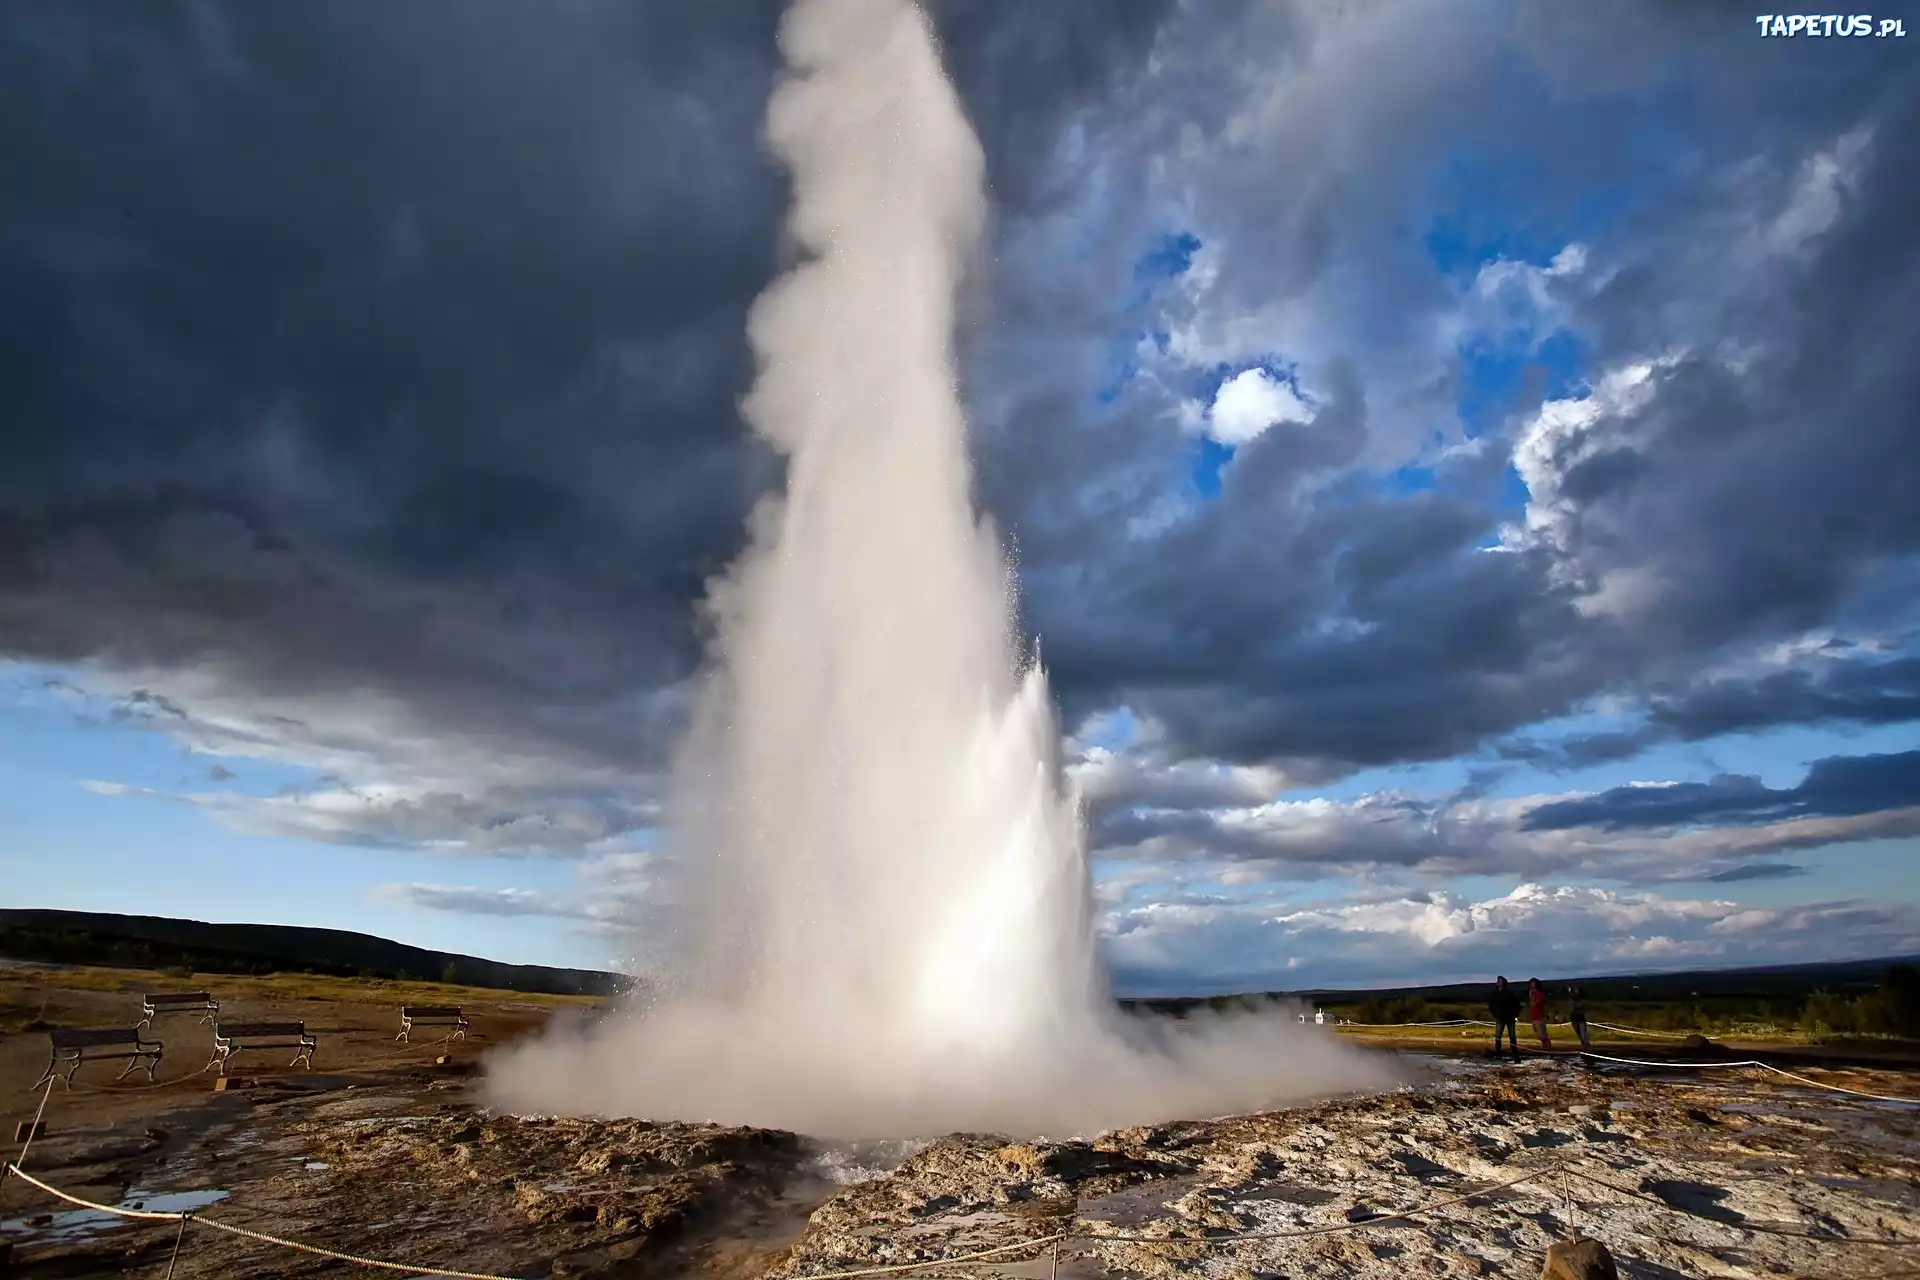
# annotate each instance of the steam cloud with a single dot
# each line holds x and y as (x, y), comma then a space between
(887, 902)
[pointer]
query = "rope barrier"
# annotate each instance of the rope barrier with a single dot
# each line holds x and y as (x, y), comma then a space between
(1637, 1031)
(1482, 1022)
(228, 1227)
(1753, 1062)
(33, 1127)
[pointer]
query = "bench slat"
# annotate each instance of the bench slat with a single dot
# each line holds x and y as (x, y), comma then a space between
(180, 997)
(81, 1038)
(429, 1011)
(253, 1029)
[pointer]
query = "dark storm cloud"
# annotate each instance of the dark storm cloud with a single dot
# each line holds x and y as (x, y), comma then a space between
(1757, 871)
(1849, 689)
(1840, 786)
(392, 352)
(385, 347)
(1856, 690)
(396, 348)
(1758, 493)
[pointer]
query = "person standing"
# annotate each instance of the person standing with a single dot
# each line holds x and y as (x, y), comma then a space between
(1578, 1016)
(1504, 1005)
(1537, 1011)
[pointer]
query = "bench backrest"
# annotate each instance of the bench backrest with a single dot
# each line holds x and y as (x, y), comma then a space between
(79, 1038)
(429, 1011)
(255, 1030)
(181, 997)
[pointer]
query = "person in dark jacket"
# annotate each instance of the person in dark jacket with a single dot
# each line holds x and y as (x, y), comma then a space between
(1577, 1014)
(1504, 1005)
(1537, 1011)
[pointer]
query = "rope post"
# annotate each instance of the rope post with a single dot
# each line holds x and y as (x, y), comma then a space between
(177, 1237)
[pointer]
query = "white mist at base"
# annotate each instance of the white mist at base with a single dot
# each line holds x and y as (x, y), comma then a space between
(889, 926)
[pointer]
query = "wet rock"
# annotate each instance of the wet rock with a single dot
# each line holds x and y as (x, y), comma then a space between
(603, 1161)
(542, 1206)
(1579, 1259)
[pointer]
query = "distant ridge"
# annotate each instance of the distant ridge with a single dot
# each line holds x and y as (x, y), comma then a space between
(1768, 981)
(155, 942)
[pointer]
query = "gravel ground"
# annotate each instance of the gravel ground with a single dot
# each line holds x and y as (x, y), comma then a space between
(1688, 1175)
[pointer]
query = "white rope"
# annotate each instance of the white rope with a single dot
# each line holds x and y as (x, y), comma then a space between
(229, 1228)
(33, 1128)
(1751, 1062)
(1638, 1031)
(1482, 1022)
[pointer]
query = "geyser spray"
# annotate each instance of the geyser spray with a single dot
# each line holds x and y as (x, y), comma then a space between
(887, 915)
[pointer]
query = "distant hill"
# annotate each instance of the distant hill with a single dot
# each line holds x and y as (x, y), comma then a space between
(155, 942)
(1779, 982)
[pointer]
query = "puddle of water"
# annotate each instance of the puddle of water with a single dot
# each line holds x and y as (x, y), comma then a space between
(1136, 1206)
(77, 1224)
(1308, 1197)
(945, 1226)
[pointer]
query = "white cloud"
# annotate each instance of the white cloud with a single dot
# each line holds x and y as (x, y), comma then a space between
(1534, 930)
(1250, 402)
(1221, 822)
(1818, 194)
(1511, 301)
(381, 776)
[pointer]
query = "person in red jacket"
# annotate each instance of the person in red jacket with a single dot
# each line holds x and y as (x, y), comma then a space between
(1537, 1011)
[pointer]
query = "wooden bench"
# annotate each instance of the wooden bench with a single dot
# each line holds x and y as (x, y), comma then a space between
(71, 1045)
(156, 1003)
(230, 1038)
(431, 1015)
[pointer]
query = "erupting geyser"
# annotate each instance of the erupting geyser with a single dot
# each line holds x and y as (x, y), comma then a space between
(888, 924)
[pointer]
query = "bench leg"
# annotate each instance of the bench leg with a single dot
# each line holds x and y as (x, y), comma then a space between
(306, 1054)
(219, 1060)
(52, 1066)
(402, 1037)
(73, 1065)
(127, 1070)
(459, 1033)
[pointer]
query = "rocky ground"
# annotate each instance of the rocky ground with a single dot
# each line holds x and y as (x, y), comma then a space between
(1680, 1175)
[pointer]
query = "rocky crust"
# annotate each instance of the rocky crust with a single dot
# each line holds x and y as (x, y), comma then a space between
(1676, 1176)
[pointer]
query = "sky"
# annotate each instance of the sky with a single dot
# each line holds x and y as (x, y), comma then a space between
(1461, 458)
